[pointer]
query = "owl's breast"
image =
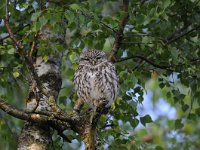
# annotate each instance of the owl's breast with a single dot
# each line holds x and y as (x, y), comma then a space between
(97, 83)
(93, 83)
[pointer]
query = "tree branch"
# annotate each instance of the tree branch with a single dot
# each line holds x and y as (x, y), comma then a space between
(177, 32)
(119, 34)
(166, 67)
(17, 43)
(102, 23)
(172, 39)
(24, 55)
(15, 32)
(146, 60)
(60, 121)
(34, 117)
(13, 111)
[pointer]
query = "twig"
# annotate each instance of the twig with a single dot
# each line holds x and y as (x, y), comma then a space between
(119, 34)
(102, 23)
(8, 36)
(176, 33)
(107, 125)
(191, 106)
(146, 60)
(137, 43)
(33, 50)
(25, 56)
(139, 34)
(169, 41)
(7, 2)
(17, 43)
(166, 67)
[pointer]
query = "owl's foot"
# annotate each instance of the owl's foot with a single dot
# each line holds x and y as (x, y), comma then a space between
(103, 107)
(78, 106)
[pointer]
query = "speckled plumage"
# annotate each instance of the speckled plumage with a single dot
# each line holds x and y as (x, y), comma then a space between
(95, 80)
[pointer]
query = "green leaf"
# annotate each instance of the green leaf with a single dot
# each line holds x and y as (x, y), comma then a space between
(16, 74)
(42, 21)
(45, 58)
(197, 111)
(166, 3)
(75, 7)
(24, 5)
(139, 19)
(69, 15)
(145, 39)
(159, 148)
(178, 124)
(185, 107)
(146, 119)
(192, 116)
(134, 122)
(36, 26)
(174, 53)
(168, 94)
(35, 16)
(73, 56)
(3, 9)
(162, 85)
(11, 51)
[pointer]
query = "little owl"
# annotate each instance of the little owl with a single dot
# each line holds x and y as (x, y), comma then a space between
(95, 80)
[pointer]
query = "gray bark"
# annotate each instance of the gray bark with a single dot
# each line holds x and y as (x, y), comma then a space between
(36, 136)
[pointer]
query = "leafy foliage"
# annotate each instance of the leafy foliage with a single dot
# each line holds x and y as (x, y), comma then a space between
(160, 53)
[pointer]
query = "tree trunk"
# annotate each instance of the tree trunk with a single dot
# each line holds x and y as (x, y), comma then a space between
(45, 83)
(34, 137)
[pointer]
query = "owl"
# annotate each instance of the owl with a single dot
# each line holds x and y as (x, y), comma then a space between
(95, 80)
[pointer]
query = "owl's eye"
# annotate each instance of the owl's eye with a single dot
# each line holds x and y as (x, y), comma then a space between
(86, 59)
(98, 57)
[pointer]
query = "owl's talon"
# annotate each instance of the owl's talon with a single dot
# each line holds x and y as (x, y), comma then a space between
(77, 111)
(78, 106)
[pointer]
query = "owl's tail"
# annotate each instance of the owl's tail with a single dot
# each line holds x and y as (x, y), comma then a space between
(98, 108)
(94, 112)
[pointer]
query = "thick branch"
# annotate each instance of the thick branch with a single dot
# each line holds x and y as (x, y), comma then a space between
(61, 118)
(58, 125)
(61, 121)
(119, 34)
(13, 111)
(32, 117)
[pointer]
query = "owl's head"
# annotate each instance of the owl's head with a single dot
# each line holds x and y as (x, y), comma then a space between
(93, 57)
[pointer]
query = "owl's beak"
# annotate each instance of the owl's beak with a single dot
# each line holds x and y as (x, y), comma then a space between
(92, 62)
